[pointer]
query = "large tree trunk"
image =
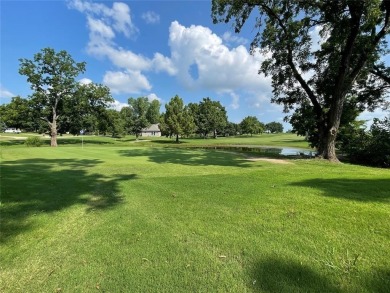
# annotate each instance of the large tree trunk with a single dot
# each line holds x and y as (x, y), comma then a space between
(53, 133)
(329, 134)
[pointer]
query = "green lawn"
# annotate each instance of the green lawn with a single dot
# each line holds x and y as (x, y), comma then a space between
(272, 140)
(127, 218)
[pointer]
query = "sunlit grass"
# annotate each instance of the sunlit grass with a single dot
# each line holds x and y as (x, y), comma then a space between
(140, 219)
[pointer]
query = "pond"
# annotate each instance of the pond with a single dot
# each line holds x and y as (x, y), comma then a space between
(271, 151)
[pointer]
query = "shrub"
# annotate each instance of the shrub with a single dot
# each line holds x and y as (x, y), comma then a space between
(33, 141)
(368, 148)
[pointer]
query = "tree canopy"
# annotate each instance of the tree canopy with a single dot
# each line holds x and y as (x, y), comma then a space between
(58, 99)
(274, 127)
(251, 125)
(177, 119)
(311, 78)
(211, 117)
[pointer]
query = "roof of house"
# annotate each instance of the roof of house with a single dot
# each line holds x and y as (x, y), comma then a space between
(153, 127)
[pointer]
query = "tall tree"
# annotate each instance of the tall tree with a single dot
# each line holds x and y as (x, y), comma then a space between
(52, 78)
(177, 118)
(139, 108)
(318, 79)
(153, 112)
(212, 116)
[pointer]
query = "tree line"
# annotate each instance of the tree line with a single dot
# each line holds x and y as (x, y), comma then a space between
(59, 104)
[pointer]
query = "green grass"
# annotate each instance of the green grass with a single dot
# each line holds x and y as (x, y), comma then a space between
(126, 218)
(271, 140)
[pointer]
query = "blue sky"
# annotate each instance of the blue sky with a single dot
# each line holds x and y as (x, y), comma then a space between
(141, 48)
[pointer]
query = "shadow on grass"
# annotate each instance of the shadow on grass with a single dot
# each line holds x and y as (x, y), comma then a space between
(277, 275)
(6, 143)
(380, 281)
(169, 142)
(188, 157)
(78, 141)
(34, 186)
(282, 275)
(377, 190)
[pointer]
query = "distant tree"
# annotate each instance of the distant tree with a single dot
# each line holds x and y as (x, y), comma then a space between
(52, 78)
(212, 116)
(193, 109)
(231, 129)
(274, 127)
(16, 113)
(165, 131)
(116, 124)
(126, 114)
(87, 106)
(177, 118)
(153, 112)
(370, 147)
(139, 108)
(251, 125)
(189, 126)
(3, 126)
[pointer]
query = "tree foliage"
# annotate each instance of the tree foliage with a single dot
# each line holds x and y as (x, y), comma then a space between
(153, 112)
(370, 147)
(307, 77)
(16, 113)
(87, 106)
(177, 118)
(52, 78)
(138, 110)
(251, 125)
(211, 117)
(140, 114)
(274, 127)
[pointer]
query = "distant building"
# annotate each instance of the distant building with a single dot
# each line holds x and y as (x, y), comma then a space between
(152, 130)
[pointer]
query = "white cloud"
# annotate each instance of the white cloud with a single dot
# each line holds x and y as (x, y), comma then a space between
(219, 68)
(118, 105)
(151, 17)
(117, 17)
(85, 81)
(5, 94)
(122, 19)
(126, 82)
(194, 49)
(229, 38)
(99, 30)
(165, 64)
(152, 97)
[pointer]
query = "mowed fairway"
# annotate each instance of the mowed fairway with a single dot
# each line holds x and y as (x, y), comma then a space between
(150, 219)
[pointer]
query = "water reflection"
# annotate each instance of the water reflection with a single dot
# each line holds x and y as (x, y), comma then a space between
(271, 151)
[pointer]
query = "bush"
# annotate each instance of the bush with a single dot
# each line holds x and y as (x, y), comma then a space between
(368, 148)
(33, 141)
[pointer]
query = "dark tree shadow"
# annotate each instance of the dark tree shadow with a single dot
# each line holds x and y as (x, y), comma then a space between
(380, 281)
(188, 157)
(281, 275)
(34, 186)
(353, 189)
(85, 141)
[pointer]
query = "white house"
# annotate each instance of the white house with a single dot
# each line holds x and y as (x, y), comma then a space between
(152, 130)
